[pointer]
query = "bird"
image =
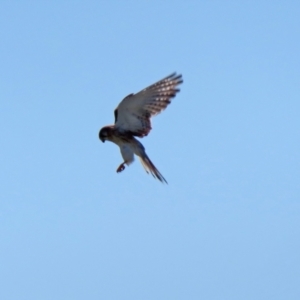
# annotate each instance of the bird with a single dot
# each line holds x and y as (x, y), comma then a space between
(133, 119)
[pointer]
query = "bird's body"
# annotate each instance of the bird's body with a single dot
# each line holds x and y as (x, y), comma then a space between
(132, 118)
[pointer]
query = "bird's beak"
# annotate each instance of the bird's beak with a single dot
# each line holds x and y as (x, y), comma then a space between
(103, 140)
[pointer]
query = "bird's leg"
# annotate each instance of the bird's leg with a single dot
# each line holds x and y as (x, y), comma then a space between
(121, 167)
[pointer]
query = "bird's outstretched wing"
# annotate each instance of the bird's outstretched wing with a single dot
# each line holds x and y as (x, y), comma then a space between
(134, 111)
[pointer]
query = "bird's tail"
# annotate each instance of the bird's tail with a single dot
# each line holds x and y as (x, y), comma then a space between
(150, 168)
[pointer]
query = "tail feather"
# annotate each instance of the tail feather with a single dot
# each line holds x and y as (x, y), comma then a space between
(150, 168)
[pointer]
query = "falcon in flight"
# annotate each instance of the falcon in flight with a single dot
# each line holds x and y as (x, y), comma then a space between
(132, 119)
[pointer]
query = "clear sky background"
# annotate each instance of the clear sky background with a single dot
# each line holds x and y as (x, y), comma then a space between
(228, 224)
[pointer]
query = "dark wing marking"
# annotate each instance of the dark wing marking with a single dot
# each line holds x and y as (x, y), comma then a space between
(116, 110)
(116, 115)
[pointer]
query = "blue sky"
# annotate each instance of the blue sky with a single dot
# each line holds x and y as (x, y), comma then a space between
(226, 227)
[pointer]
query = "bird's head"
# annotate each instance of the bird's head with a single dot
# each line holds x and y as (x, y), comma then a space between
(104, 133)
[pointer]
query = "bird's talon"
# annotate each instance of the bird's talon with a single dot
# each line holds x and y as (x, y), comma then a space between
(121, 168)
